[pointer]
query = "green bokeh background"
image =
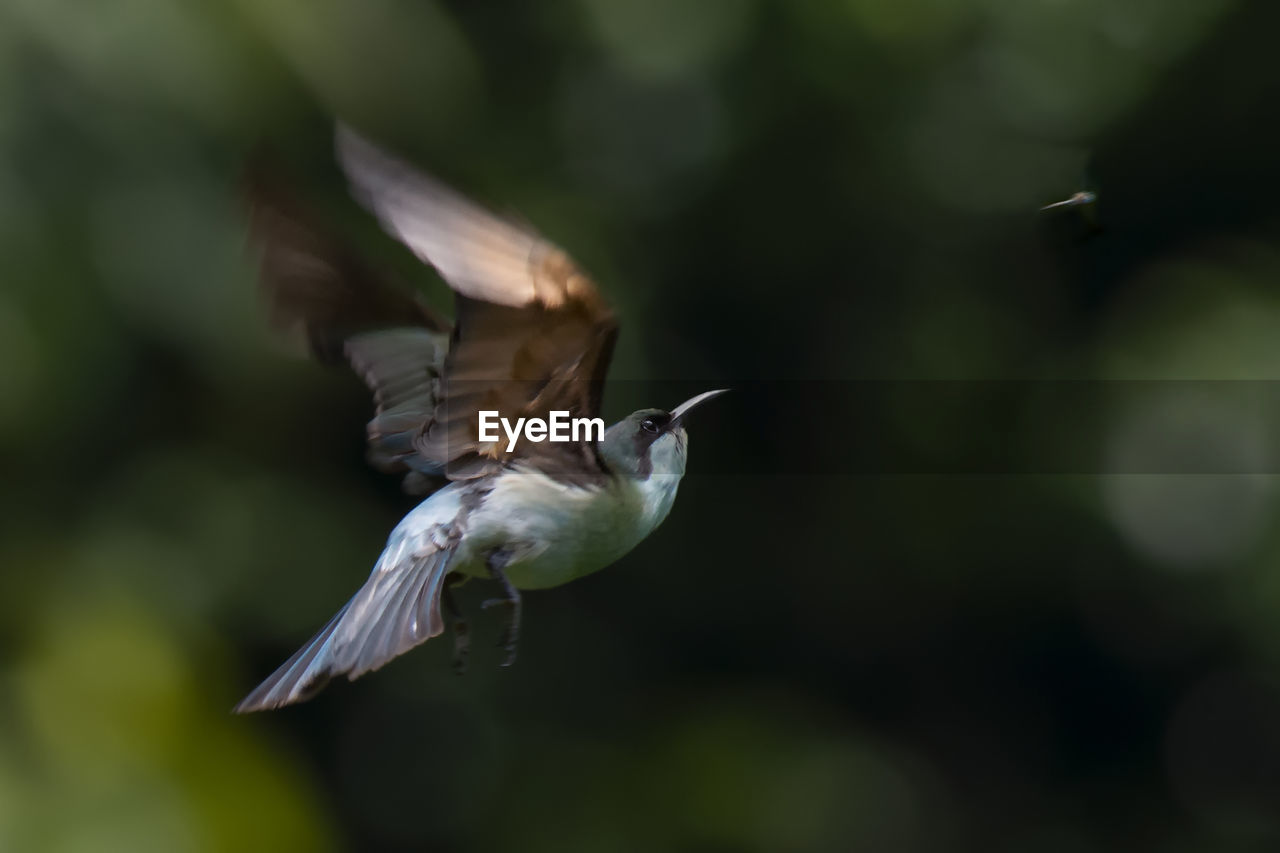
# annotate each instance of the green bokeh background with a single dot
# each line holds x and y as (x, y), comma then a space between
(784, 197)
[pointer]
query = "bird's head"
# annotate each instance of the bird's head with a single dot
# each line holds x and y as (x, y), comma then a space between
(651, 440)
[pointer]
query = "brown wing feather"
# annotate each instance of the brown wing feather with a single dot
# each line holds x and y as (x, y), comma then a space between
(315, 285)
(532, 333)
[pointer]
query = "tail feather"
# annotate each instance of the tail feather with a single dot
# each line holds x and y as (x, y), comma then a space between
(397, 608)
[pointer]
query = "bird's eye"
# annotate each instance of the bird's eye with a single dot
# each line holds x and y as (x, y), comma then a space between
(649, 425)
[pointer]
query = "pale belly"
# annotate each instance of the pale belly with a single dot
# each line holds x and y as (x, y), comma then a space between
(554, 533)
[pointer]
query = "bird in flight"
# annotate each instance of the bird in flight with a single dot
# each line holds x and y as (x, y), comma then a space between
(531, 337)
(1077, 200)
(1085, 205)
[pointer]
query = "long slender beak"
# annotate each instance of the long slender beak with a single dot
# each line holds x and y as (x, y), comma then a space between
(688, 405)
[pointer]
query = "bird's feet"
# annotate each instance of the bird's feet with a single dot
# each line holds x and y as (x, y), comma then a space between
(461, 646)
(459, 627)
(510, 637)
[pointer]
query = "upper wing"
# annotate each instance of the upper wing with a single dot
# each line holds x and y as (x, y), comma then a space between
(532, 333)
(314, 284)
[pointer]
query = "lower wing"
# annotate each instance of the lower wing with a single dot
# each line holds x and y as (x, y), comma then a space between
(397, 608)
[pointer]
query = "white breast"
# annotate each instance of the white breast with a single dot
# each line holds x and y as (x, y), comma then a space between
(557, 532)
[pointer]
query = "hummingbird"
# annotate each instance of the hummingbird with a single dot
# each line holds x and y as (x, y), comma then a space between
(1079, 199)
(531, 336)
(1085, 203)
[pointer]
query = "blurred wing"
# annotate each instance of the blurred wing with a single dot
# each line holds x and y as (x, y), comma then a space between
(397, 608)
(314, 283)
(402, 367)
(532, 333)
(316, 286)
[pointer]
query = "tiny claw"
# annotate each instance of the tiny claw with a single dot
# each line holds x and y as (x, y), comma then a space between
(461, 636)
(509, 639)
(508, 643)
(511, 631)
(461, 647)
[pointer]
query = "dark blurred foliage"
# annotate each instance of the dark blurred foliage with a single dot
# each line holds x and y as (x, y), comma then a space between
(782, 196)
